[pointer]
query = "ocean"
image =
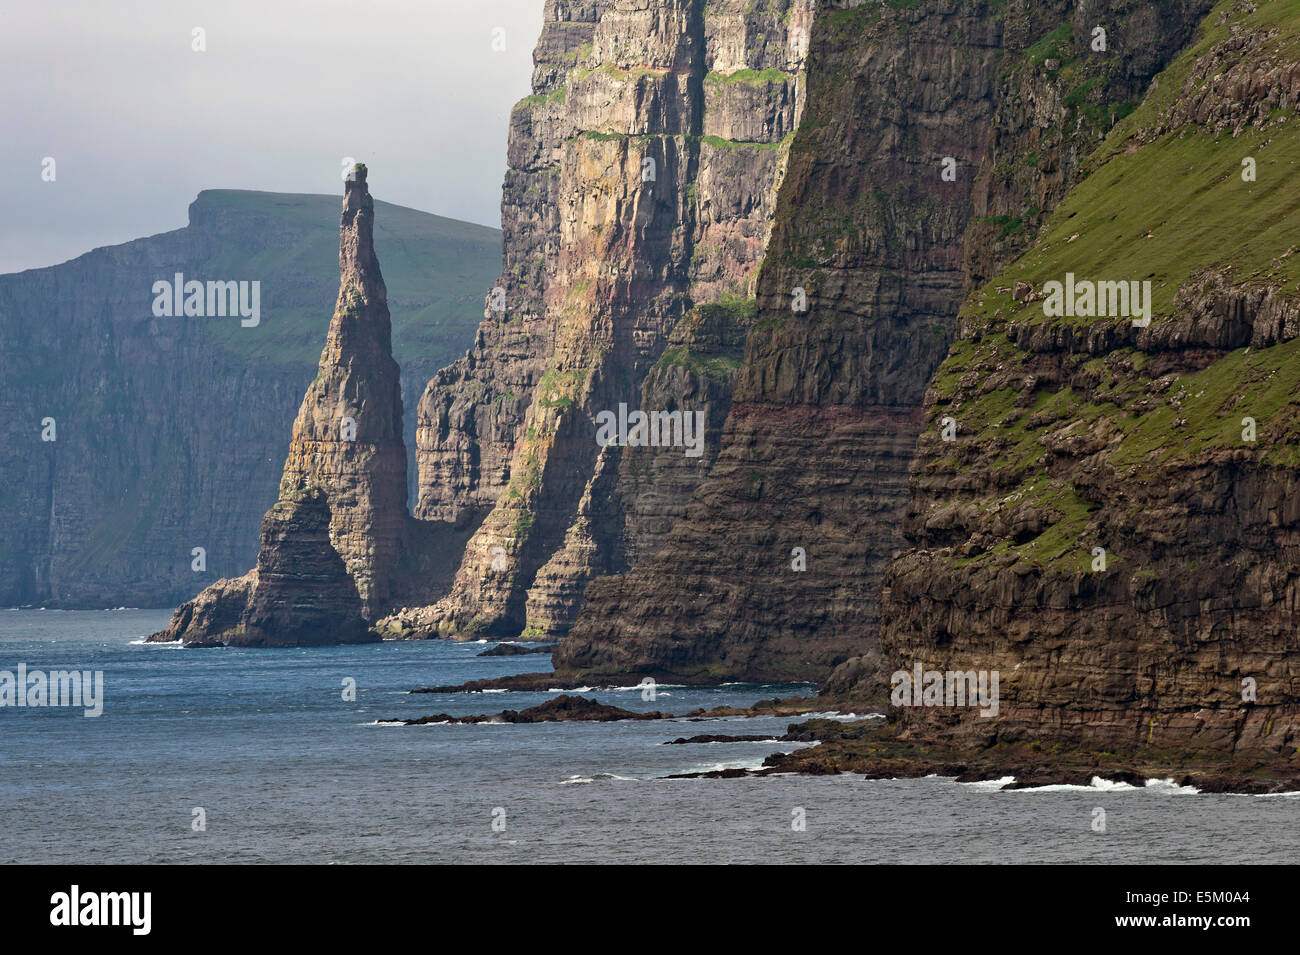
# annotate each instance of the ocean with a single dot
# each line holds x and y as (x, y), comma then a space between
(285, 770)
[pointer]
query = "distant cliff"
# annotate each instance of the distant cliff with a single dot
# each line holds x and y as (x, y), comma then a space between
(170, 431)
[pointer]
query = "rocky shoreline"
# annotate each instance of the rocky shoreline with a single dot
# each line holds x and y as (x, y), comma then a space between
(515, 650)
(570, 709)
(879, 748)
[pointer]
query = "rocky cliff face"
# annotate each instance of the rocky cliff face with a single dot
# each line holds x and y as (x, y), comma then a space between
(170, 431)
(1114, 527)
(643, 174)
(770, 575)
(695, 374)
(811, 481)
(331, 544)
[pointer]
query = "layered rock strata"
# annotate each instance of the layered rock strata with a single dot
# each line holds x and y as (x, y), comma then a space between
(882, 244)
(771, 573)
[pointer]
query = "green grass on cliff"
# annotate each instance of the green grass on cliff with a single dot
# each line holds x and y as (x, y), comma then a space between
(749, 77)
(1164, 212)
(1056, 45)
(718, 368)
(1206, 409)
(1154, 206)
(728, 321)
(1177, 204)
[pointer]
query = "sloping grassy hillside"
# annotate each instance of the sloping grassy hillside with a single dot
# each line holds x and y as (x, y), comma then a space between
(1164, 201)
(437, 271)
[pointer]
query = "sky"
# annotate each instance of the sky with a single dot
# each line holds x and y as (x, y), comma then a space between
(138, 121)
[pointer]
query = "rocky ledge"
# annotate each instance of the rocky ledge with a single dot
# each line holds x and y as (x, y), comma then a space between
(515, 650)
(567, 709)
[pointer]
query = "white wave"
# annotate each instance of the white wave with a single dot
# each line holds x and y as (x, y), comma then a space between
(729, 742)
(990, 785)
(1109, 785)
(843, 717)
(465, 692)
(658, 687)
(597, 778)
(1168, 785)
(1097, 785)
(753, 763)
(144, 642)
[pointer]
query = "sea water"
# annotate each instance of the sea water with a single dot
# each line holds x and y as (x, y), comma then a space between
(264, 749)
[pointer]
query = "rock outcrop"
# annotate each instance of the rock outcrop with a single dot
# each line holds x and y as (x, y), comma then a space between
(170, 431)
(332, 543)
(347, 439)
(771, 573)
(301, 593)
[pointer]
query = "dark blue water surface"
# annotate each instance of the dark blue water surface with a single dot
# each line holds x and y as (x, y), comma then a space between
(287, 771)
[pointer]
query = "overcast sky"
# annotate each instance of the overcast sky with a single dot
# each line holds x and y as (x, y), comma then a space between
(138, 122)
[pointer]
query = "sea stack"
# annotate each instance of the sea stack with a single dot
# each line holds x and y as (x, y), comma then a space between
(347, 439)
(331, 542)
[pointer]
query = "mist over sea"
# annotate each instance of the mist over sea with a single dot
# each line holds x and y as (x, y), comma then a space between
(286, 770)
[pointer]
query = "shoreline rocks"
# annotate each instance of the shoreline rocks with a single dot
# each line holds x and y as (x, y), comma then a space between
(515, 650)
